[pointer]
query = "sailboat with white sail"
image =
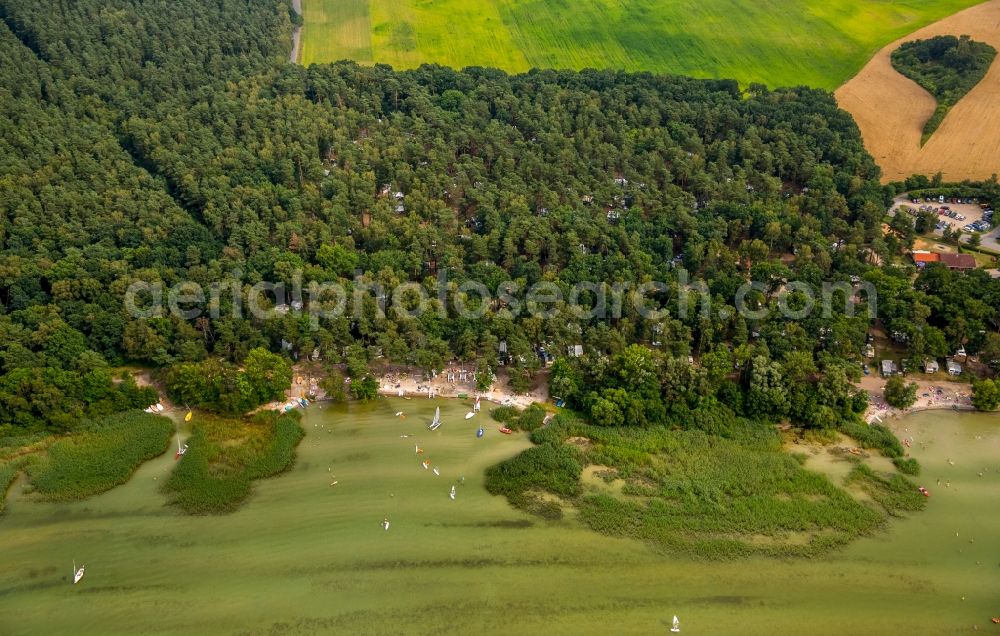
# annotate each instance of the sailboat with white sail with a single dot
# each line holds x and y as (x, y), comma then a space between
(676, 625)
(180, 449)
(77, 574)
(475, 409)
(452, 494)
(436, 423)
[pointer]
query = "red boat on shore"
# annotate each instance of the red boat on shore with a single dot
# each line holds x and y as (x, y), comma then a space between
(505, 430)
(924, 491)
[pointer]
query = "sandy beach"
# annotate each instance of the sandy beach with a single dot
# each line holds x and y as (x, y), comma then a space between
(456, 381)
(453, 382)
(931, 394)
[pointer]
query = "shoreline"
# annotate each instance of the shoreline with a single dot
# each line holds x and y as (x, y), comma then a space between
(453, 382)
(932, 395)
(456, 382)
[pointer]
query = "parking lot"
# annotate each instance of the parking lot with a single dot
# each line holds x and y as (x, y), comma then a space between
(961, 216)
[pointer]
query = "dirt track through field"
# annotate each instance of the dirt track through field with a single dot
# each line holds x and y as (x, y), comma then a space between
(293, 57)
(891, 109)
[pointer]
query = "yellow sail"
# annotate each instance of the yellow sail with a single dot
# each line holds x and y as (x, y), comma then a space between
(187, 418)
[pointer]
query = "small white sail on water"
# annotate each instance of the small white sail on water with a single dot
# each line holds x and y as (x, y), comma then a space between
(77, 574)
(437, 420)
(676, 626)
(452, 494)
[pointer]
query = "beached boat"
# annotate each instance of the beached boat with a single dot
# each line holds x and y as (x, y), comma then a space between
(676, 627)
(159, 407)
(924, 491)
(190, 414)
(505, 430)
(436, 422)
(452, 494)
(480, 432)
(477, 406)
(77, 574)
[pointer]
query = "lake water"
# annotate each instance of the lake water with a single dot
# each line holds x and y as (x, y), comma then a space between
(305, 557)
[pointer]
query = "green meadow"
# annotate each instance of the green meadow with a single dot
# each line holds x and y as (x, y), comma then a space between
(818, 43)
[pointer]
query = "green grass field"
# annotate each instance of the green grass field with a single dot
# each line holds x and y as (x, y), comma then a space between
(787, 42)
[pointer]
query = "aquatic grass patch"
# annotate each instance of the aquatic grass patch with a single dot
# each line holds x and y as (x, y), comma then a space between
(907, 465)
(894, 493)
(529, 419)
(225, 456)
(504, 414)
(104, 454)
(552, 468)
(711, 495)
(28, 443)
(873, 436)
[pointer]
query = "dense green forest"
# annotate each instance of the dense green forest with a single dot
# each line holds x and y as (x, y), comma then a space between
(947, 66)
(168, 141)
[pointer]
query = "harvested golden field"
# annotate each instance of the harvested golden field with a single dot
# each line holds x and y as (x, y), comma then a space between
(891, 109)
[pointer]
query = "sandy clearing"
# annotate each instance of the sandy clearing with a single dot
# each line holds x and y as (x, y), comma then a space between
(891, 109)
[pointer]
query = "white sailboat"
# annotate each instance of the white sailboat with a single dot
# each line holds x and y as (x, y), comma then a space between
(470, 415)
(437, 420)
(385, 524)
(180, 449)
(676, 626)
(475, 409)
(77, 574)
(452, 495)
(437, 472)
